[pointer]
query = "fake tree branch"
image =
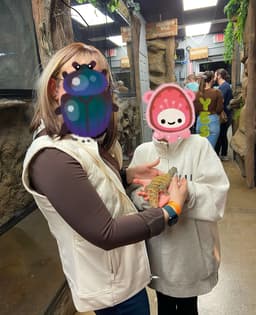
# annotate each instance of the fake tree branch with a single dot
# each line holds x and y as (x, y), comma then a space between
(236, 12)
(112, 5)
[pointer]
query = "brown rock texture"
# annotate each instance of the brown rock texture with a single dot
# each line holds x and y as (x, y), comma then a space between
(14, 140)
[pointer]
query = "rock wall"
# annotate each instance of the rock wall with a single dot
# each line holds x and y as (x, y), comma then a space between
(14, 140)
(161, 61)
(15, 117)
(129, 128)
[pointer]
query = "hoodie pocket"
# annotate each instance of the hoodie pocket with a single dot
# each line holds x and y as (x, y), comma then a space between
(209, 243)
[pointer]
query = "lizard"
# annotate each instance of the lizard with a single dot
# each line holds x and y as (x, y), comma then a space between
(159, 184)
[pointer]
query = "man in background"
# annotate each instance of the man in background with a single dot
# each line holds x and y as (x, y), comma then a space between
(221, 146)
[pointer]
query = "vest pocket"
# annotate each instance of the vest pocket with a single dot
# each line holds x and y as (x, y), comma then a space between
(91, 273)
(114, 262)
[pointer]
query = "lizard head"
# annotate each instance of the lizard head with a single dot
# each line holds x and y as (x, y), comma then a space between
(173, 171)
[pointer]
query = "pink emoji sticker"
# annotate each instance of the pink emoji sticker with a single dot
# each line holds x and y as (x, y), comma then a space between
(170, 112)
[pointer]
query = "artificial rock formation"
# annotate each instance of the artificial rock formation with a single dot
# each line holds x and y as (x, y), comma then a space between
(161, 54)
(14, 140)
(128, 125)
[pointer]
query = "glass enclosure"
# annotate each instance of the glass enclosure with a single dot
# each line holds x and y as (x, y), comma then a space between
(18, 51)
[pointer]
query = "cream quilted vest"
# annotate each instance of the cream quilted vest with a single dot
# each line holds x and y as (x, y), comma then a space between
(97, 278)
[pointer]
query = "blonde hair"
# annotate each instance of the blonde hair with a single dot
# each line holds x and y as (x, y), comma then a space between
(190, 78)
(45, 102)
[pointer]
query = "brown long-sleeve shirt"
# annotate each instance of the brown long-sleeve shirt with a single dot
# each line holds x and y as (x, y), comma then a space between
(215, 105)
(62, 180)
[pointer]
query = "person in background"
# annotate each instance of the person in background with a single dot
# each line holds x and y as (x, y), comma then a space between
(191, 83)
(121, 87)
(184, 259)
(221, 146)
(73, 170)
(208, 105)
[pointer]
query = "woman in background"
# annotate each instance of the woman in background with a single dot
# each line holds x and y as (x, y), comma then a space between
(208, 106)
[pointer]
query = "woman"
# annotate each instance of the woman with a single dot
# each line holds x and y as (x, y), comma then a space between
(72, 169)
(208, 106)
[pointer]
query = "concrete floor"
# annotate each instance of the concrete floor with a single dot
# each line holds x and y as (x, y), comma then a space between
(30, 272)
(235, 293)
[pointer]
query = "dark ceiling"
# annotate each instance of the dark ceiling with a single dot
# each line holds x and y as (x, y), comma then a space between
(160, 10)
(154, 11)
(97, 35)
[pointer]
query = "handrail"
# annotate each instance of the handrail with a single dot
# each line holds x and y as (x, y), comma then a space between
(18, 216)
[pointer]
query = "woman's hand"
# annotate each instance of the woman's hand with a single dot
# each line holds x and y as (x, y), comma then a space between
(144, 171)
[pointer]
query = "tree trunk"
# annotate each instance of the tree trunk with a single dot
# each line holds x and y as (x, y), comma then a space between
(53, 26)
(135, 50)
(250, 110)
(135, 31)
(60, 24)
(235, 73)
(170, 60)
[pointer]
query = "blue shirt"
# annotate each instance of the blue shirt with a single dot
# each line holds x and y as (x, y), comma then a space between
(193, 86)
(227, 95)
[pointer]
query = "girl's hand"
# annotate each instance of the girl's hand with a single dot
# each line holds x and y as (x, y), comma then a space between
(178, 190)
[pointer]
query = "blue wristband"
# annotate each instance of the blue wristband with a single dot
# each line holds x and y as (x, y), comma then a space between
(173, 217)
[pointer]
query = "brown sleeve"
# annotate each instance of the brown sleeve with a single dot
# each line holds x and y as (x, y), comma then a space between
(220, 101)
(198, 106)
(61, 178)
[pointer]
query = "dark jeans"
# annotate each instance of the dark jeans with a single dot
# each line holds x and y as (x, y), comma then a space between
(168, 305)
(136, 305)
(221, 146)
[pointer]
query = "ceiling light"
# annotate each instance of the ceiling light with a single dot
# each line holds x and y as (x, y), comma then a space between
(198, 29)
(92, 15)
(117, 40)
(97, 39)
(198, 4)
